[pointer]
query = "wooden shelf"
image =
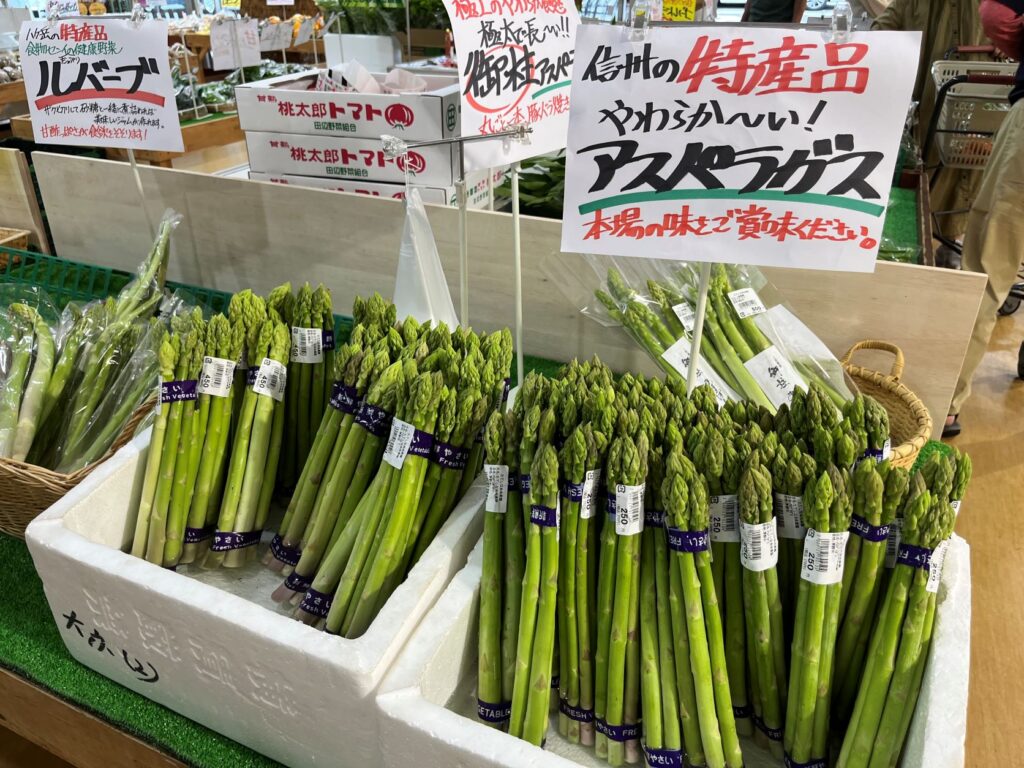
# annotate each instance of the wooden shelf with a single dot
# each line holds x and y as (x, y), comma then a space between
(70, 733)
(12, 93)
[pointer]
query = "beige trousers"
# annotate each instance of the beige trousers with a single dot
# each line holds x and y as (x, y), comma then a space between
(994, 242)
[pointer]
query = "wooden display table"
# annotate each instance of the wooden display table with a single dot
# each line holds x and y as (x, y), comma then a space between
(213, 131)
(12, 93)
(70, 733)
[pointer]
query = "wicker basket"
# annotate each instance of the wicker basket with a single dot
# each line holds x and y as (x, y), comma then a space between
(909, 421)
(26, 490)
(12, 238)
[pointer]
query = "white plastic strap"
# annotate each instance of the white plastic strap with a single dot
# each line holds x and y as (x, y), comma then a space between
(759, 546)
(497, 488)
(217, 377)
(591, 484)
(629, 509)
(789, 510)
(271, 379)
(307, 345)
(725, 516)
(824, 554)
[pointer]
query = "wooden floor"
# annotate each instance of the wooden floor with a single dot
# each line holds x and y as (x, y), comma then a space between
(993, 424)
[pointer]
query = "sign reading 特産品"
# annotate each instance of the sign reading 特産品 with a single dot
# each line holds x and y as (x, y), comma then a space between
(515, 68)
(100, 83)
(772, 147)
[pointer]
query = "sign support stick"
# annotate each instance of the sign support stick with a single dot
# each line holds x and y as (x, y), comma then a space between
(237, 49)
(408, 31)
(142, 194)
(463, 241)
(517, 250)
(188, 70)
(698, 326)
(316, 49)
(490, 189)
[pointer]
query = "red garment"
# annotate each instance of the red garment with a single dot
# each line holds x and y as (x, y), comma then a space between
(1003, 26)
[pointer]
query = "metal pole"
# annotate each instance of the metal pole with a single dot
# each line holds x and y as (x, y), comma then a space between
(518, 286)
(463, 241)
(698, 326)
(408, 33)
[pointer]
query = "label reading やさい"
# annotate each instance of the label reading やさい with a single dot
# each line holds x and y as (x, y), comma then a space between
(789, 511)
(271, 379)
(746, 302)
(775, 375)
(497, 488)
(759, 545)
(629, 509)
(725, 515)
(307, 345)
(216, 377)
(588, 504)
(824, 554)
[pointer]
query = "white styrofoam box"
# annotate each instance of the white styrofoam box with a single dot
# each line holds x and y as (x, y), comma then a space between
(212, 645)
(476, 187)
(286, 104)
(427, 701)
(349, 159)
(377, 53)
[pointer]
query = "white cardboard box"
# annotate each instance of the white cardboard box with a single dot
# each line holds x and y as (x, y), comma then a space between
(348, 159)
(477, 190)
(427, 701)
(286, 104)
(199, 647)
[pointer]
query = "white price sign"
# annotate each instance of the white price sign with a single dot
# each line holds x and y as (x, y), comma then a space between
(100, 83)
(274, 37)
(235, 43)
(696, 142)
(515, 67)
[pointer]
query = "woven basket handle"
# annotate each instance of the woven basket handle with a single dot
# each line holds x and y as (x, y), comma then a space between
(885, 346)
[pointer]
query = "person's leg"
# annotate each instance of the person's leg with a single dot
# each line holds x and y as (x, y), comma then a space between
(994, 242)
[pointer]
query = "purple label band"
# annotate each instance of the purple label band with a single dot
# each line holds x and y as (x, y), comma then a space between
(422, 444)
(224, 541)
(743, 712)
(816, 763)
(546, 517)
(687, 541)
(663, 758)
(250, 375)
(619, 733)
(316, 603)
(524, 484)
(578, 714)
(328, 340)
(493, 713)
(915, 557)
(572, 491)
(287, 555)
(196, 535)
(450, 456)
(654, 518)
(513, 482)
(609, 503)
(867, 531)
(178, 391)
(374, 420)
(344, 397)
(775, 734)
(296, 582)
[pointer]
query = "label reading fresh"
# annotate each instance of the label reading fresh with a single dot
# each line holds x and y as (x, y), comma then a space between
(271, 379)
(824, 554)
(399, 442)
(725, 515)
(759, 545)
(216, 377)
(789, 511)
(497, 488)
(307, 345)
(746, 302)
(591, 484)
(686, 316)
(629, 509)
(678, 356)
(935, 566)
(775, 375)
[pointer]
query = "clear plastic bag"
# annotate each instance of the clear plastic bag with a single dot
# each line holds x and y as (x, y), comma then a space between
(29, 351)
(421, 289)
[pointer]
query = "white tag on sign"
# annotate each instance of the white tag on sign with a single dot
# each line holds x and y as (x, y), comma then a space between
(591, 483)
(497, 488)
(759, 546)
(892, 544)
(935, 566)
(307, 345)
(216, 377)
(678, 356)
(789, 511)
(686, 316)
(824, 554)
(271, 379)
(629, 509)
(725, 518)
(399, 441)
(746, 302)
(775, 375)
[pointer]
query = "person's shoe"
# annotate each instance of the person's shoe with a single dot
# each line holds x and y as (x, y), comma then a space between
(952, 426)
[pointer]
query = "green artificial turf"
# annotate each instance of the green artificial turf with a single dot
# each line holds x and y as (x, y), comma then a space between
(900, 234)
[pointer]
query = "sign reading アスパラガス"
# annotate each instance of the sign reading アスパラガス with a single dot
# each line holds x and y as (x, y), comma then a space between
(100, 83)
(763, 146)
(515, 67)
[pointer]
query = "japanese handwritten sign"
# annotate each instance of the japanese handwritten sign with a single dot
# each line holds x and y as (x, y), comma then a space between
(100, 83)
(235, 43)
(678, 10)
(515, 67)
(767, 146)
